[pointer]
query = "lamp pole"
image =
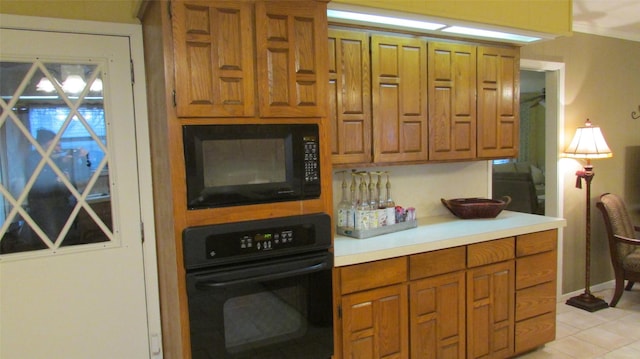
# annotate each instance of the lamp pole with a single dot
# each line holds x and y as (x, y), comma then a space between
(586, 300)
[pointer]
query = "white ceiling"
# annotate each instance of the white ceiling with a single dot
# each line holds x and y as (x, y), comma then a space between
(613, 18)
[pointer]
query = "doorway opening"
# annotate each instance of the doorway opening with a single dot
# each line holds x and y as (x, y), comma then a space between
(523, 178)
(542, 120)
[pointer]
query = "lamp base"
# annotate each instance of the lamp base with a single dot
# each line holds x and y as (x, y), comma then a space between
(588, 302)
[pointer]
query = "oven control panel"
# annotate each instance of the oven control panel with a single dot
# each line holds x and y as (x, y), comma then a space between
(245, 243)
(266, 241)
(210, 245)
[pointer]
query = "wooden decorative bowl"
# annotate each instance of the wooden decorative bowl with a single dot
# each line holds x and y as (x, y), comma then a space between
(468, 208)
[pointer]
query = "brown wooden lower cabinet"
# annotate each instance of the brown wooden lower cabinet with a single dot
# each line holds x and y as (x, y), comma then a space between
(536, 258)
(374, 308)
(490, 311)
(493, 299)
(375, 323)
(437, 313)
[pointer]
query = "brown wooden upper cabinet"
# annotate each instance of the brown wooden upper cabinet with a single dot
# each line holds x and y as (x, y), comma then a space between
(292, 50)
(218, 44)
(452, 101)
(349, 96)
(399, 76)
(214, 61)
(396, 99)
(498, 102)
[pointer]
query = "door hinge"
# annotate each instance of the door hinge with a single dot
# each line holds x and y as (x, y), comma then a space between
(156, 344)
(169, 9)
(142, 231)
(339, 312)
(175, 104)
(133, 74)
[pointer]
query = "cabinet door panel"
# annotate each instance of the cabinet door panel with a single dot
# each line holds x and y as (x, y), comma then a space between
(292, 55)
(490, 310)
(349, 96)
(399, 90)
(213, 54)
(388, 138)
(375, 323)
(498, 102)
(452, 101)
(437, 317)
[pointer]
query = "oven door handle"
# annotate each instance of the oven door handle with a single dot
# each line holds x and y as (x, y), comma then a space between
(211, 283)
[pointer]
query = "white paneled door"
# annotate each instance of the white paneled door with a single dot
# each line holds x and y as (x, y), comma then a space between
(72, 281)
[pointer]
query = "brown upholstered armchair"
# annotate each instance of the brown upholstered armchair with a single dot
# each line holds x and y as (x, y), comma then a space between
(623, 243)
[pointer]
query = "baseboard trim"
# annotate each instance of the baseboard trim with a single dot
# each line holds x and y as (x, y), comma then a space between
(594, 288)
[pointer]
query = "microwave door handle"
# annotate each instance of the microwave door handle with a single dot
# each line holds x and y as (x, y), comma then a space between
(214, 284)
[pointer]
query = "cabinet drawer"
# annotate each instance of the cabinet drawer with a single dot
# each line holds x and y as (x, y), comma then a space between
(490, 252)
(536, 300)
(535, 269)
(536, 331)
(437, 262)
(538, 242)
(373, 274)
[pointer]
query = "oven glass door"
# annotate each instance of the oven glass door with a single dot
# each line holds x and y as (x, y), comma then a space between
(275, 309)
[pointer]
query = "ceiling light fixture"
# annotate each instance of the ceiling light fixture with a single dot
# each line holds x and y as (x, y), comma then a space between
(73, 84)
(390, 19)
(462, 30)
(45, 85)
(384, 20)
(96, 86)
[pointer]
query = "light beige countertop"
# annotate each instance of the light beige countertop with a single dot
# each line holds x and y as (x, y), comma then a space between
(439, 232)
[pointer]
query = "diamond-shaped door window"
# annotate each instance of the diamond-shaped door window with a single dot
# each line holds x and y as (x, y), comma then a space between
(54, 159)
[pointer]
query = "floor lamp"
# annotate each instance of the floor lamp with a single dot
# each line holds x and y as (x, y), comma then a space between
(588, 143)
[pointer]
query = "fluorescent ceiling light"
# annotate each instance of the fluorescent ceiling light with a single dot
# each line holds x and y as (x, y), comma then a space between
(359, 15)
(490, 34)
(386, 20)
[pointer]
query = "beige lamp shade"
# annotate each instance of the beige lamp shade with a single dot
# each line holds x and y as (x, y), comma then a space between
(588, 143)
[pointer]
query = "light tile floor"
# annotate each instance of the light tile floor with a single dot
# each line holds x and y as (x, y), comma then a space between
(611, 333)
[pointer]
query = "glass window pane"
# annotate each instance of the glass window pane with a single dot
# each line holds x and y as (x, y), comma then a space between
(54, 173)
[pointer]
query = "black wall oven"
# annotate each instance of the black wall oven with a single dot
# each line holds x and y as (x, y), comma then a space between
(260, 289)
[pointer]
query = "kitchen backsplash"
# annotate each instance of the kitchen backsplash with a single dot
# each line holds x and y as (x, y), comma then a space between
(422, 186)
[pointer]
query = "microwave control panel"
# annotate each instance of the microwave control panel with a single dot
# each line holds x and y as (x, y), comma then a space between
(311, 156)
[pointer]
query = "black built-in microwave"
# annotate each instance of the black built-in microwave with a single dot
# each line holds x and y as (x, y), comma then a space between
(233, 165)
